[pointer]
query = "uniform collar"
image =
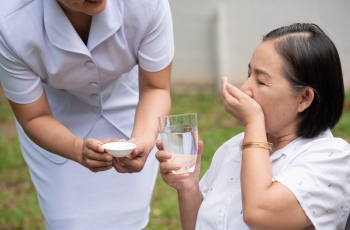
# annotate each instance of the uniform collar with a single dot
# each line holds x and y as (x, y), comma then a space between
(62, 34)
(105, 24)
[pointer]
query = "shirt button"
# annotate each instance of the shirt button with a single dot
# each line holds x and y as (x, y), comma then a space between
(94, 97)
(94, 84)
(96, 109)
(90, 64)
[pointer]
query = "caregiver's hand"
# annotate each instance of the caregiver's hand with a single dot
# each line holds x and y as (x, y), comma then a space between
(136, 160)
(94, 156)
(180, 182)
(239, 104)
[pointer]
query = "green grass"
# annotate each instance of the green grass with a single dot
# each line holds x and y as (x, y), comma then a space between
(19, 207)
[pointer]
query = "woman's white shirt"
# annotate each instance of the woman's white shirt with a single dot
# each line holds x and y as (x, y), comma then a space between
(316, 170)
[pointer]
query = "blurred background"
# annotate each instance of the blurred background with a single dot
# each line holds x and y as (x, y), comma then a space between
(213, 38)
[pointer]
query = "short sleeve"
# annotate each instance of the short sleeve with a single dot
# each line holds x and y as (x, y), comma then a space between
(20, 83)
(156, 50)
(319, 177)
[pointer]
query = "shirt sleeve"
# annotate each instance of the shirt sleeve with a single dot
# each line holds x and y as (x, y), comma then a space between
(319, 177)
(156, 50)
(20, 83)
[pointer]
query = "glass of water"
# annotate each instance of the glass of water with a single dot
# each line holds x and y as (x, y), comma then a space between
(179, 135)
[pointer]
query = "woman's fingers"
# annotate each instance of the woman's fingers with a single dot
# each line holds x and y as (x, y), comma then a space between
(90, 154)
(230, 93)
(94, 157)
(93, 145)
(159, 145)
(97, 164)
(119, 166)
(163, 156)
(167, 167)
(171, 178)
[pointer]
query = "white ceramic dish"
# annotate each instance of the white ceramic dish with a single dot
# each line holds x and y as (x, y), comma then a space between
(119, 149)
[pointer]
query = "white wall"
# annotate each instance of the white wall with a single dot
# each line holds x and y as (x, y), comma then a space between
(195, 29)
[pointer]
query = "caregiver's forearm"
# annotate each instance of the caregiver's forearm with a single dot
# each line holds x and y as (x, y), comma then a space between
(154, 101)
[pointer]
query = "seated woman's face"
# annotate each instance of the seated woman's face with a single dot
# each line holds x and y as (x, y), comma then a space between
(268, 87)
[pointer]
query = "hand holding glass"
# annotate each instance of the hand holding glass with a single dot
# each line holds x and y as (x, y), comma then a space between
(179, 135)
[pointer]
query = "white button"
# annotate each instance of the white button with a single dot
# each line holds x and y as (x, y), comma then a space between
(94, 84)
(90, 64)
(94, 97)
(96, 109)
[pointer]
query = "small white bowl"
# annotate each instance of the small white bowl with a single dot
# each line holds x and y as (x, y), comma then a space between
(119, 149)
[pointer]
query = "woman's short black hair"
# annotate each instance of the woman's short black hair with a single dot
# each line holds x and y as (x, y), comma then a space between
(311, 60)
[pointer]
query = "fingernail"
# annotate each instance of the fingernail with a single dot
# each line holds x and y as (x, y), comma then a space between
(229, 86)
(109, 158)
(109, 163)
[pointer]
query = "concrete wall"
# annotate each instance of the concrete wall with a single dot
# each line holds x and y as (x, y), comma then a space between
(217, 37)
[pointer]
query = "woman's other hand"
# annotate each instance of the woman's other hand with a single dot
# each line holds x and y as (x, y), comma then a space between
(136, 160)
(181, 182)
(240, 104)
(94, 156)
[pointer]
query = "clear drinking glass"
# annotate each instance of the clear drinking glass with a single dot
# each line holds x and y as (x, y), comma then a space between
(179, 134)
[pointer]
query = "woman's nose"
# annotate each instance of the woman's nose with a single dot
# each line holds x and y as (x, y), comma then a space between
(245, 88)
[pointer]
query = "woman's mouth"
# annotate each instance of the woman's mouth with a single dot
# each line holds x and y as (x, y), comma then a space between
(93, 1)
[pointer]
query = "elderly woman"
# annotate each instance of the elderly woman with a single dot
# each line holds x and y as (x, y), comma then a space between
(286, 171)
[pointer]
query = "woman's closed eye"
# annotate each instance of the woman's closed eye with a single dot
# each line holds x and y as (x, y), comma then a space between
(257, 80)
(260, 82)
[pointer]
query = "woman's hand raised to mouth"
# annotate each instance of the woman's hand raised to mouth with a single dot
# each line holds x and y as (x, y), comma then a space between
(240, 105)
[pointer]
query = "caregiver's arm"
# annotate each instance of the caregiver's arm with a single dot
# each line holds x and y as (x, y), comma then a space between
(42, 128)
(266, 204)
(154, 101)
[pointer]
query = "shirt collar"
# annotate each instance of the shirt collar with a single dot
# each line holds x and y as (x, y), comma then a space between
(105, 24)
(62, 34)
(297, 143)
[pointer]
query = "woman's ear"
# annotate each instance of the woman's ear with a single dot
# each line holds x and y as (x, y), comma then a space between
(307, 96)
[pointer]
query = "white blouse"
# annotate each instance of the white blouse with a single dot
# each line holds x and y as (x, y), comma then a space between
(316, 170)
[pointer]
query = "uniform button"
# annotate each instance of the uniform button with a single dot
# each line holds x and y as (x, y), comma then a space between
(94, 84)
(96, 109)
(94, 97)
(90, 64)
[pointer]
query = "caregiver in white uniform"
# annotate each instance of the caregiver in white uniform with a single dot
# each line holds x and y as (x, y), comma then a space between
(77, 74)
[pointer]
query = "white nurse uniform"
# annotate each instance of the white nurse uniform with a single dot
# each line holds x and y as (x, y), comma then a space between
(93, 90)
